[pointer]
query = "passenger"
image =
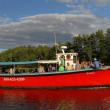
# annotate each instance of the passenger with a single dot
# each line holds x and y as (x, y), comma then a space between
(11, 70)
(89, 64)
(62, 59)
(96, 64)
(69, 67)
(82, 65)
(85, 65)
(78, 66)
(53, 68)
(36, 70)
(41, 69)
(61, 68)
(50, 68)
(46, 68)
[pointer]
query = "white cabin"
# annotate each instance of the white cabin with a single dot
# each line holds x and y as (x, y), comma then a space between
(70, 58)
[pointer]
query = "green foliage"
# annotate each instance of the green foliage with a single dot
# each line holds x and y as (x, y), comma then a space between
(93, 45)
(88, 46)
(25, 53)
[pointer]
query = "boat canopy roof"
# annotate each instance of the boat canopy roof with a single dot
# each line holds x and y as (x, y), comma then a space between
(47, 61)
(18, 63)
(29, 62)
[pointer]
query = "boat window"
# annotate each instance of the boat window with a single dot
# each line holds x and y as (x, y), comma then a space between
(74, 59)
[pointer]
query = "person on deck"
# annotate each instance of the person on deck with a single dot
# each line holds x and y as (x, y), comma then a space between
(69, 67)
(78, 66)
(50, 68)
(62, 59)
(41, 69)
(61, 68)
(96, 64)
(12, 70)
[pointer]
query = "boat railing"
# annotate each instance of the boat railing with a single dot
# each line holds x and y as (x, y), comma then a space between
(31, 72)
(45, 73)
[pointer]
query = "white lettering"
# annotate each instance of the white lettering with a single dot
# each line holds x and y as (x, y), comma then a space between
(14, 79)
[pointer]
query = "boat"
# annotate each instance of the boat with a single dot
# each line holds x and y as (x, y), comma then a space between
(85, 78)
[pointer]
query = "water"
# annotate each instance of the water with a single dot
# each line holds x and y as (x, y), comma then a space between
(92, 99)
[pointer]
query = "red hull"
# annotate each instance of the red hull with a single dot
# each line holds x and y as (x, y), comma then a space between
(57, 80)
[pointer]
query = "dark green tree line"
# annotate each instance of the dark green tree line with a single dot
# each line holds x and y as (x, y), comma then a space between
(89, 46)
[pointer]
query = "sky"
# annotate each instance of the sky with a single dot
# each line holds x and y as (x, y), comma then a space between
(35, 22)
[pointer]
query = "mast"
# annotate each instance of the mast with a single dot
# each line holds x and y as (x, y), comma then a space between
(55, 43)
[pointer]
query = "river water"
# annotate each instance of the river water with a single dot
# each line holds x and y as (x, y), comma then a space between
(84, 99)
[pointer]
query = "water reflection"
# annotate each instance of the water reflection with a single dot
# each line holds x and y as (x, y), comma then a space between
(95, 99)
